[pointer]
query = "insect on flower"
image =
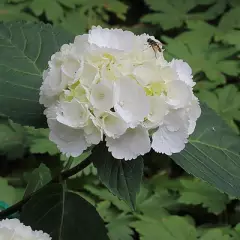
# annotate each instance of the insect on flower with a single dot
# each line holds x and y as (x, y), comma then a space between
(155, 46)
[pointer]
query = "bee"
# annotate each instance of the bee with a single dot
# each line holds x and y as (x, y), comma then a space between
(155, 46)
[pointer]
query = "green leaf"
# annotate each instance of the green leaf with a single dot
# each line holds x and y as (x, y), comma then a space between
(62, 213)
(211, 59)
(70, 163)
(36, 179)
(212, 153)
(225, 101)
(70, 20)
(104, 194)
(8, 194)
(9, 12)
(169, 228)
(214, 234)
(214, 10)
(118, 228)
(178, 10)
(197, 192)
(12, 139)
(38, 141)
(25, 49)
(122, 178)
(154, 206)
(52, 9)
(230, 19)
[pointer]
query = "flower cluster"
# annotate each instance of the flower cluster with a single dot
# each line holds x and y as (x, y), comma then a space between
(13, 229)
(115, 86)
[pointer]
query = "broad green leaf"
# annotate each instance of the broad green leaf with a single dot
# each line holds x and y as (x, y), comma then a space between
(212, 153)
(38, 141)
(118, 228)
(122, 178)
(196, 192)
(168, 228)
(25, 49)
(63, 215)
(8, 194)
(36, 179)
(12, 139)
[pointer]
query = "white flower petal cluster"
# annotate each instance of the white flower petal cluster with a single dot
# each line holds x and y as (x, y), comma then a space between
(112, 85)
(13, 229)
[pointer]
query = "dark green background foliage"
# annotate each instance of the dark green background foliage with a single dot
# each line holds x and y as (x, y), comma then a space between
(171, 205)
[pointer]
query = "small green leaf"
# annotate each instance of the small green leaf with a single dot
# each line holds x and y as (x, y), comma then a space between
(12, 139)
(63, 214)
(36, 179)
(118, 228)
(230, 19)
(155, 206)
(169, 228)
(211, 59)
(225, 101)
(73, 162)
(178, 10)
(38, 141)
(214, 234)
(52, 9)
(8, 194)
(122, 178)
(197, 192)
(104, 194)
(212, 153)
(25, 49)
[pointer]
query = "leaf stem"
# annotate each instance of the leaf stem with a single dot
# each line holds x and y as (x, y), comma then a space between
(61, 177)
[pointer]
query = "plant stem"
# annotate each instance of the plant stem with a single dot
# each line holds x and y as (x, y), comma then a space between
(61, 177)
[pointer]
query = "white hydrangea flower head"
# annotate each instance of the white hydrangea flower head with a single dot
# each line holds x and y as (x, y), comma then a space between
(13, 229)
(112, 85)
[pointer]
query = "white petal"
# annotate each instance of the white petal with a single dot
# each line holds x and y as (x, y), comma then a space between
(133, 143)
(146, 74)
(13, 229)
(132, 104)
(178, 93)
(194, 113)
(70, 141)
(55, 81)
(111, 38)
(113, 125)
(168, 142)
(184, 71)
(93, 134)
(174, 120)
(70, 67)
(72, 114)
(101, 97)
(158, 109)
(89, 75)
(168, 74)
